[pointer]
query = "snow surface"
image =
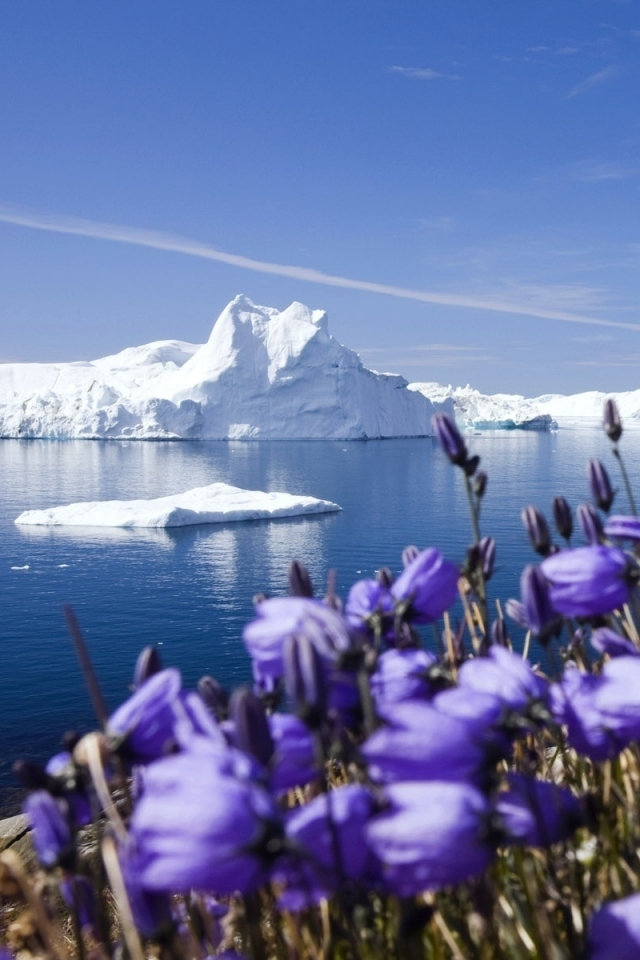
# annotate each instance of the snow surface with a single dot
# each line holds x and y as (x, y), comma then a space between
(216, 503)
(501, 411)
(262, 374)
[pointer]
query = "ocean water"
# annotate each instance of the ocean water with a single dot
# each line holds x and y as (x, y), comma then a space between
(190, 590)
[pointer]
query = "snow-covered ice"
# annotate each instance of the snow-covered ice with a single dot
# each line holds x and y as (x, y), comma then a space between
(216, 503)
(262, 374)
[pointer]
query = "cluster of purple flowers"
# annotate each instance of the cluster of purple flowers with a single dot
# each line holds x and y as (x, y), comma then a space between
(391, 770)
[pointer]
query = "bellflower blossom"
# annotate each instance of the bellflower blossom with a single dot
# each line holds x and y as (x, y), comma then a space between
(429, 584)
(431, 835)
(506, 676)
(589, 581)
(294, 762)
(421, 742)
(535, 813)
(615, 931)
(574, 703)
(145, 723)
(50, 829)
(366, 599)
(401, 675)
(328, 847)
(195, 827)
(622, 527)
(613, 644)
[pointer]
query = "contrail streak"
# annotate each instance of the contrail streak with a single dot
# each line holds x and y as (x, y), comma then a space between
(193, 248)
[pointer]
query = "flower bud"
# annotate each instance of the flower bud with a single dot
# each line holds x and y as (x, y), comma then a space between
(611, 420)
(147, 664)
(299, 580)
(590, 523)
(50, 830)
(480, 484)
(538, 530)
(499, 634)
(540, 615)
(252, 733)
(562, 517)
(214, 696)
(304, 679)
(601, 488)
(409, 554)
(487, 547)
(384, 577)
(450, 438)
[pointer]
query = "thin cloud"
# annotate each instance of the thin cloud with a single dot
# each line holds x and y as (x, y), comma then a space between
(595, 80)
(424, 73)
(156, 240)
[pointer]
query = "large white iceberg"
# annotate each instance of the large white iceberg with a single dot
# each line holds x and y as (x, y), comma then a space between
(500, 411)
(262, 374)
(216, 503)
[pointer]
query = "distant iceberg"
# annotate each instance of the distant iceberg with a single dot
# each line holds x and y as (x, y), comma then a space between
(263, 374)
(216, 503)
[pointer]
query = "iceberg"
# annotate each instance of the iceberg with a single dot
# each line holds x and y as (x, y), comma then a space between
(500, 411)
(216, 503)
(263, 374)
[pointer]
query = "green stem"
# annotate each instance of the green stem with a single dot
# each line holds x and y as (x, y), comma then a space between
(625, 477)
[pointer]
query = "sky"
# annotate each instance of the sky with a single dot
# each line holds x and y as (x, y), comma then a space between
(455, 182)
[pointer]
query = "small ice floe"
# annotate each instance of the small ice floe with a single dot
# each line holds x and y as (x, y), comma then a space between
(62, 566)
(26, 567)
(216, 503)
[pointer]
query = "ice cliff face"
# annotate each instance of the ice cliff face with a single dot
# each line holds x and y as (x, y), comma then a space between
(262, 374)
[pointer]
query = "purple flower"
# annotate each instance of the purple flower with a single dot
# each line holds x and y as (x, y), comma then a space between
(195, 827)
(284, 617)
(539, 615)
(562, 517)
(366, 599)
(590, 523)
(615, 931)
(537, 529)
(611, 420)
(450, 438)
(77, 892)
(535, 813)
(294, 762)
(601, 489)
(146, 721)
(429, 585)
(612, 643)
(51, 834)
(506, 676)
(421, 742)
(621, 527)
(401, 675)
(588, 581)
(574, 704)
(329, 846)
(305, 679)
(431, 835)
(148, 663)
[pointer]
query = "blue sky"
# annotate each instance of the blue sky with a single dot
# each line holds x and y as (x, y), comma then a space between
(485, 153)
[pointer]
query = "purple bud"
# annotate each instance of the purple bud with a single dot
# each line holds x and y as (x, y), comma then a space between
(304, 679)
(409, 554)
(299, 580)
(385, 577)
(620, 527)
(589, 581)
(251, 725)
(590, 523)
(147, 664)
(499, 634)
(77, 892)
(562, 517)
(611, 420)
(537, 814)
(449, 438)
(488, 556)
(601, 488)
(214, 696)
(537, 529)
(516, 612)
(51, 834)
(540, 616)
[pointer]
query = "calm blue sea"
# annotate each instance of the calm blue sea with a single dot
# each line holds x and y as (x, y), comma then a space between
(190, 590)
